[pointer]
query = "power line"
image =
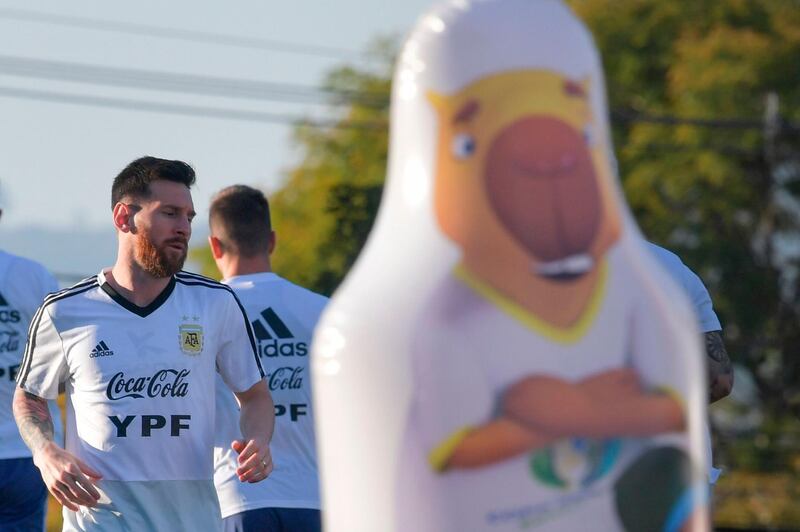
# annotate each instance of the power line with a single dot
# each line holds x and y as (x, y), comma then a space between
(184, 110)
(716, 123)
(162, 32)
(185, 83)
(272, 91)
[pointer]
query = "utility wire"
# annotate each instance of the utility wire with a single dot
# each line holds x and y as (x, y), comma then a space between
(185, 83)
(185, 110)
(260, 90)
(162, 32)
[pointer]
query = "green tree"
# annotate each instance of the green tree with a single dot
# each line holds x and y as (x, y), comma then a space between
(722, 193)
(324, 210)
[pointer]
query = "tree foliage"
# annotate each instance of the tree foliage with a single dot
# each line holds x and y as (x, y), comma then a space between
(724, 195)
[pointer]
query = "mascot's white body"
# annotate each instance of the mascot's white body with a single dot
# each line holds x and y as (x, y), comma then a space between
(418, 352)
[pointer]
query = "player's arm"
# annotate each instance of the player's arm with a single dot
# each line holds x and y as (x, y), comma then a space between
(720, 370)
(68, 478)
(608, 404)
(257, 422)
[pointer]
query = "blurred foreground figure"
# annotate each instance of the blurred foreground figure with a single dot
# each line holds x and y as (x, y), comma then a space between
(283, 316)
(137, 347)
(506, 354)
(23, 496)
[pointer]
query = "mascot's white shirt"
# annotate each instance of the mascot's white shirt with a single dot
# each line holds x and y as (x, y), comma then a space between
(460, 373)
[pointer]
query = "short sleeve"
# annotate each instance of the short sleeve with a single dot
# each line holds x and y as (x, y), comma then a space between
(451, 395)
(44, 365)
(237, 359)
(49, 284)
(701, 301)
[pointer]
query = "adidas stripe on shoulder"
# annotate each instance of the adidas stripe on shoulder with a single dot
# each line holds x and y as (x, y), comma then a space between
(84, 286)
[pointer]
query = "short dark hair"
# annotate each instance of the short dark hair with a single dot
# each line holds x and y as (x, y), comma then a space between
(239, 218)
(135, 179)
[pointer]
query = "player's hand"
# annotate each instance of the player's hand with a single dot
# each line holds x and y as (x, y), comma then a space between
(67, 477)
(255, 460)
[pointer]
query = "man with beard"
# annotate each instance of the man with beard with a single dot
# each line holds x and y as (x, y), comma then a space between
(137, 347)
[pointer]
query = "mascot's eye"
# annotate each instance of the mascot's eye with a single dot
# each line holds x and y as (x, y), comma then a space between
(463, 146)
(588, 135)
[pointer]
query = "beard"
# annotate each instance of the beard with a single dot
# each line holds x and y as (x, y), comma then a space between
(161, 261)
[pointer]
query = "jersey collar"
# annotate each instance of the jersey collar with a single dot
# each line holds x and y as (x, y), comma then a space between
(565, 335)
(131, 307)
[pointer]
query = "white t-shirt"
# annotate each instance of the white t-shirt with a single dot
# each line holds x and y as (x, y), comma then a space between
(471, 345)
(283, 316)
(137, 380)
(23, 286)
(706, 317)
(698, 294)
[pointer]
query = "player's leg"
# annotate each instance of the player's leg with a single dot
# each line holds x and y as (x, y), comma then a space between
(23, 496)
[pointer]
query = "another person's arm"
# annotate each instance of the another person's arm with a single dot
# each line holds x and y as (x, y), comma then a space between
(720, 370)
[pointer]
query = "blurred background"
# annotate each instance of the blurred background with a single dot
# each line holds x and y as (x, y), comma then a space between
(705, 104)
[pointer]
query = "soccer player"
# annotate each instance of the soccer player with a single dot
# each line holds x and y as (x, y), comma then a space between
(720, 371)
(23, 496)
(137, 347)
(283, 316)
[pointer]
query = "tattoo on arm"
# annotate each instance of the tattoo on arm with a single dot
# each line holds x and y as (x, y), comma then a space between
(33, 419)
(720, 370)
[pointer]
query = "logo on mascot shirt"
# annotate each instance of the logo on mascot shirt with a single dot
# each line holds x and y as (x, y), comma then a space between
(574, 462)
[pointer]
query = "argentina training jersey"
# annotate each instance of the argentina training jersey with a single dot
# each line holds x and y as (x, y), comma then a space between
(140, 402)
(283, 316)
(23, 286)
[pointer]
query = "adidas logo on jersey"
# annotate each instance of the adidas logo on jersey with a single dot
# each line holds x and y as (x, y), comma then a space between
(274, 337)
(101, 350)
(8, 315)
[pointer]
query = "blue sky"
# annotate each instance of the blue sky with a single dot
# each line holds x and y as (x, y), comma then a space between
(57, 160)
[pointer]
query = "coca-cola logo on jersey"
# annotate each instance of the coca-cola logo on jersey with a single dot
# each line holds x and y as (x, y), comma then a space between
(163, 383)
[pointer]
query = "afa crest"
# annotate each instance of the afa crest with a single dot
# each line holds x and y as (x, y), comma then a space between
(191, 339)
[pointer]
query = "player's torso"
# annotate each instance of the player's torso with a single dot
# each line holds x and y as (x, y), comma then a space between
(18, 303)
(141, 402)
(283, 334)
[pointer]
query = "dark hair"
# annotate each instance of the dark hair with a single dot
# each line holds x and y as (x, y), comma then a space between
(239, 218)
(135, 179)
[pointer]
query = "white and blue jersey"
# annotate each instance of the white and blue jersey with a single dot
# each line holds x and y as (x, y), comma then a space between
(283, 316)
(140, 402)
(23, 286)
(704, 310)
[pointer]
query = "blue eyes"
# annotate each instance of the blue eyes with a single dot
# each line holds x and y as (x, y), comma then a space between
(463, 146)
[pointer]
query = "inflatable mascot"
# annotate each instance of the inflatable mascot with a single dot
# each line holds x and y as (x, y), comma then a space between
(506, 355)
